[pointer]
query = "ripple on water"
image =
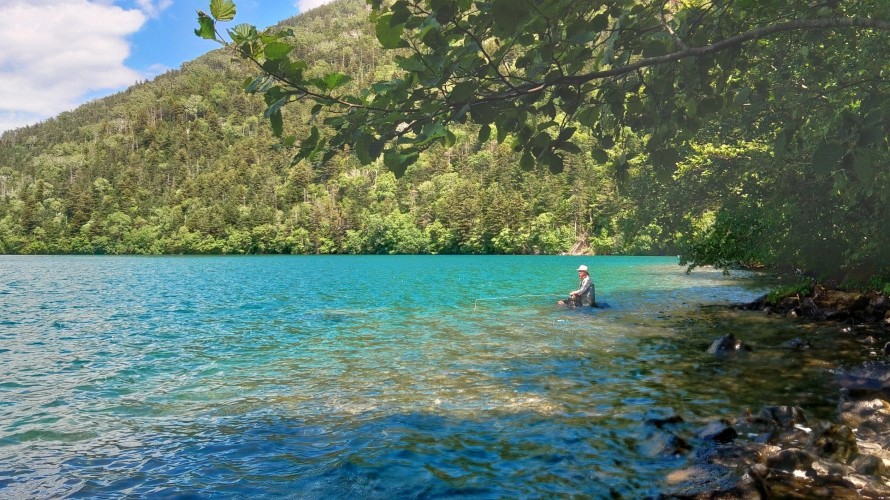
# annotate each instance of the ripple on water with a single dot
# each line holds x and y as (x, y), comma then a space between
(241, 377)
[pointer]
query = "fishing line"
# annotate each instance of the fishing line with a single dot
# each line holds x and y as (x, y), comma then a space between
(476, 303)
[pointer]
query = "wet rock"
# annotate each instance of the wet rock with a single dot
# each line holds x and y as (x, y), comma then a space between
(728, 344)
(757, 304)
(839, 301)
(825, 303)
(869, 465)
(664, 444)
(834, 441)
(788, 303)
(785, 417)
(798, 344)
(854, 413)
(809, 309)
(661, 422)
(719, 431)
(866, 382)
(790, 460)
(878, 302)
(829, 473)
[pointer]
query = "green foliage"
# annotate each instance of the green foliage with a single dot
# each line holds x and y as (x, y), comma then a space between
(167, 167)
(655, 85)
(765, 145)
(801, 289)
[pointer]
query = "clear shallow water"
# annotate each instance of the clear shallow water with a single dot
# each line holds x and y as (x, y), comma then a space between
(328, 377)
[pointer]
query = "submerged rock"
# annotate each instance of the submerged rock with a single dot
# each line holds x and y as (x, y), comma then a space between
(664, 444)
(777, 453)
(869, 465)
(719, 431)
(798, 344)
(728, 344)
(661, 422)
(790, 460)
(834, 441)
(785, 417)
(867, 382)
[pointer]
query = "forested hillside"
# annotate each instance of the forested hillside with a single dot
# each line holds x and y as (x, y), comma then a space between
(186, 163)
(742, 132)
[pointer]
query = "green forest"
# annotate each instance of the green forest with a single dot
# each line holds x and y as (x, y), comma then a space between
(771, 150)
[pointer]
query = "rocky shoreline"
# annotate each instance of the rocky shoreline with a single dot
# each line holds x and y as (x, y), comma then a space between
(778, 452)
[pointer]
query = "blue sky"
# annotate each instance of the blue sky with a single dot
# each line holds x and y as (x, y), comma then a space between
(57, 54)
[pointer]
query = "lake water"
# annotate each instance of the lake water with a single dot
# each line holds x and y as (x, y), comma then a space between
(370, 376)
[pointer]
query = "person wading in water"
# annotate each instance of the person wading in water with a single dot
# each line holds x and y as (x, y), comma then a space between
(585, 295)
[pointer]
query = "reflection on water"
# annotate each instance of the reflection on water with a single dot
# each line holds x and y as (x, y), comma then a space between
(373, 376)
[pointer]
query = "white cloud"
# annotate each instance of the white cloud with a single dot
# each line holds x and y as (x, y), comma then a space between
(304, 5)
(54, 52)
(153, 8)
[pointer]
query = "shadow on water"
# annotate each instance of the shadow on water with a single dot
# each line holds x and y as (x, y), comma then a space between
(268, 377)
(401, 455)
(528, 425)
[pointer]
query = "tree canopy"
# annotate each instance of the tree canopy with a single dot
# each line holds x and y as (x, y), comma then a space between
(185, 164)
(775, 114)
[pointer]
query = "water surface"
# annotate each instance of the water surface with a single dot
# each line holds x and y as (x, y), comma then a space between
(344, 376)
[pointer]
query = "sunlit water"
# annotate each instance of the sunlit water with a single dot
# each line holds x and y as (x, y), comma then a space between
(371, 377)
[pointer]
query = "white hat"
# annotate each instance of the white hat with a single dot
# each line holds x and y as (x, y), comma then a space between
(582, 268)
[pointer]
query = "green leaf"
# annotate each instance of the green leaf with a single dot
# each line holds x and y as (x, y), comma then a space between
(599, 155)
(398, 163)
(709, 105)
(871, 135)
(783, 140)
(655, 48)
(826, 157)
(527, 162)
(277, 122)
(413, 63)
(222, 10)
(450, 138)
(207, 28)
(566, 134)
(484, 133)
(462, 91)
(243, 33)
(570, 147)
(508, 15)
(310, 144)
(334, 80)
(258, 85)
(554, 162)
(864, 166)
(277, 50)
(505, 123)
(368, 148)
(389, 36)
(581, 31)
(400, 13)
(665, 163)
(599, 22)
(588, 117)
(541, 141)
(294, 72)
(484, 113)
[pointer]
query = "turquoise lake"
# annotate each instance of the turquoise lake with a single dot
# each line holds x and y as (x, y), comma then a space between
(371, 376)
